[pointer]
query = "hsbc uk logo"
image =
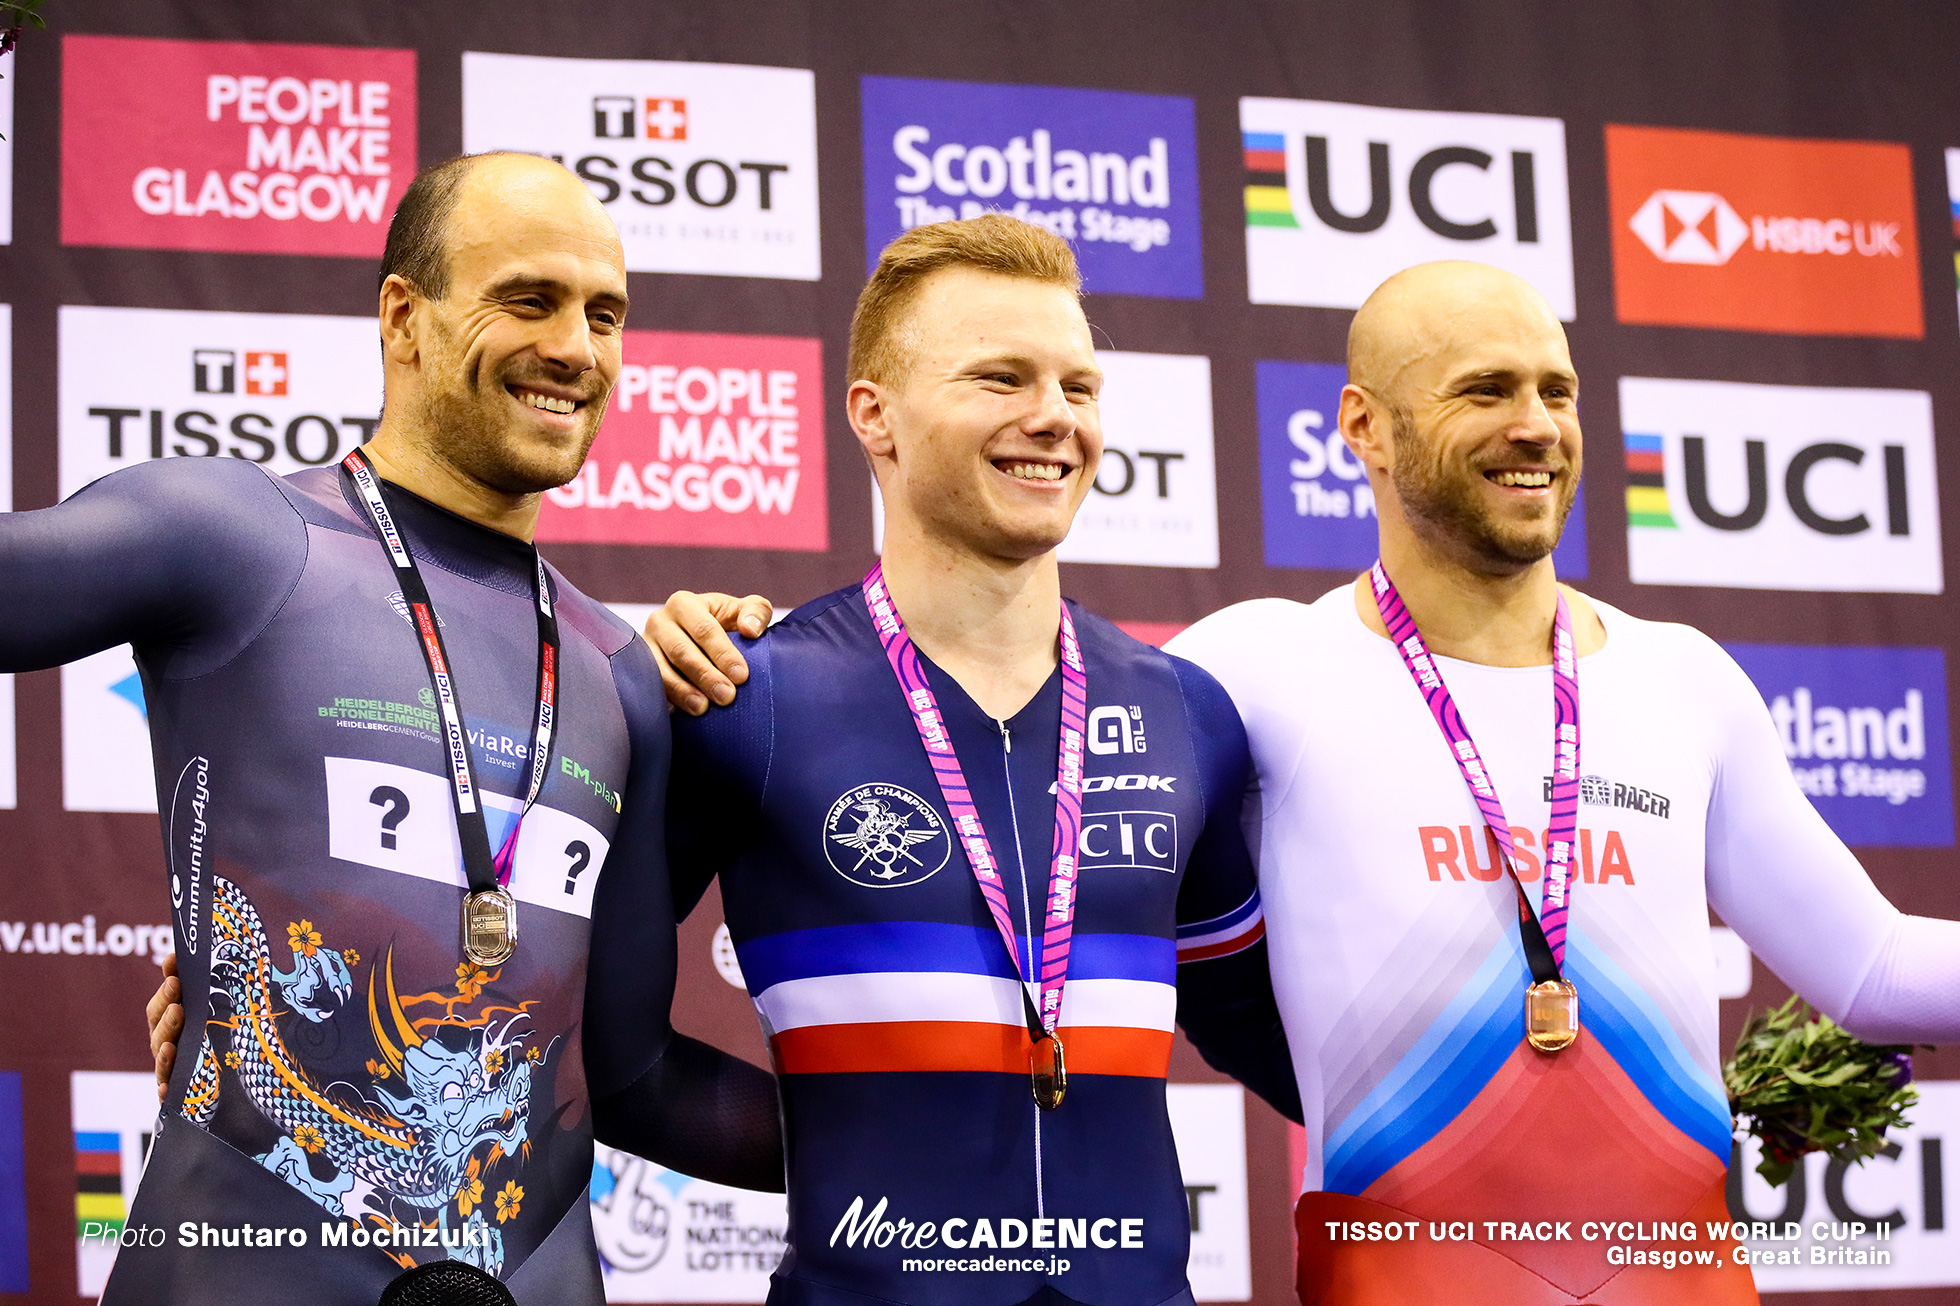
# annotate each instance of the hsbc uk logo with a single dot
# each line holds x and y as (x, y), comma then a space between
(1691, 226)
(215, 372)
(620, 117)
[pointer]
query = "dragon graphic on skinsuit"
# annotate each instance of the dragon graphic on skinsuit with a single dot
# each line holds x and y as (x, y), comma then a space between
(464, 1086)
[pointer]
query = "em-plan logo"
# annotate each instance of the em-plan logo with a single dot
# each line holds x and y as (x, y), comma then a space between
(1340, 196)
(1763, 233)
(1114, 173)
(1780, 487)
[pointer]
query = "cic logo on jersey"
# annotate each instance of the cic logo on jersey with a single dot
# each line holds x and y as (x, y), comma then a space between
(705, 168)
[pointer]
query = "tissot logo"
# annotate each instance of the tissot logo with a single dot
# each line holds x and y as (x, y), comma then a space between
(1780, 487)
(1763, 233)
(1339, 196)
(1154, 501)
(704, 167)
(299, 149)
(278, 389)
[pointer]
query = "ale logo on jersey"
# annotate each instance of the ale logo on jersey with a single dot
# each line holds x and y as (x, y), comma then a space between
(1318, 507)
(713, 440)
(1113, 173)
(222, 145)
(1340, 196)
(1780, 487)
(885, 837)
(1762, 233)
(1865, 732)
(705, 168)
(283, 390)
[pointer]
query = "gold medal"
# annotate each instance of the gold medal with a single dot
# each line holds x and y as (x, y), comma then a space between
(1049, 1072)
(1551, 1015)
(489, 926)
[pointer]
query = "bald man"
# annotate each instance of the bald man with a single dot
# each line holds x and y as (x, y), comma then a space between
(396, 1051)
(1488, 915)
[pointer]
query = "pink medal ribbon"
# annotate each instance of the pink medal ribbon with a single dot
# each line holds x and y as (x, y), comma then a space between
(1552, 1001)
(1059, 922)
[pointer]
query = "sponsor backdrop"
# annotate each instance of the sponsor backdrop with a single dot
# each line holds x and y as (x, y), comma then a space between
(1751, 229)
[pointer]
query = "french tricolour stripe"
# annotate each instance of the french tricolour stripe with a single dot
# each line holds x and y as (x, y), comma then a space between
(1221, 936)
(920, 996)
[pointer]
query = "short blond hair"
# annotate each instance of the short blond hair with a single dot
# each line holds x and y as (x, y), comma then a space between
(992, 242)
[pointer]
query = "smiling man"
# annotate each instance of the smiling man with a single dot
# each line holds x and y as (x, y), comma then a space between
(979, 849)
(1495, 970)
(395, 1051)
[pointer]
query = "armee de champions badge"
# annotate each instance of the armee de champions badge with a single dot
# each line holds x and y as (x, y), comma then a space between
(883, 837)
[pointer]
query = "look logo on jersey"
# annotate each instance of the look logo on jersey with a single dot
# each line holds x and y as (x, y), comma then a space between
(1319, 508)
(219, 145)
(1114, 174)
(1340, 196)
(1865, 732)
(1780, 487)
(713, 440)
(1763, 233)
(704, 167)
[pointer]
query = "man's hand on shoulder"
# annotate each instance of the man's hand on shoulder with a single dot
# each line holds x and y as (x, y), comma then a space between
(166, 1017)
(690, 642)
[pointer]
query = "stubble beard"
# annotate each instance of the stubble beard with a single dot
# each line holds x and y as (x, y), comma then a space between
(465, 425)
(1440, 504)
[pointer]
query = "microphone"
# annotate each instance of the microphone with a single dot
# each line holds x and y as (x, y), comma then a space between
(446, 1283)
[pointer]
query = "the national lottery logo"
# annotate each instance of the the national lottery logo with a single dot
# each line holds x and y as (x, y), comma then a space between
(229, 146)
(1780, 487)
(885, 837)
(709, 440)
(1113, 173)
(705, 168)
(1763, 233)
(282, 390)
(1340, 196)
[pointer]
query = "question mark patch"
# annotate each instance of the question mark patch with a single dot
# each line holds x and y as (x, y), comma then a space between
(396, 803)
(581, 858)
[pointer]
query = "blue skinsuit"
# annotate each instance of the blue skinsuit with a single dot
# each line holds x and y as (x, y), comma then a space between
(887, 992)
(341, 1066)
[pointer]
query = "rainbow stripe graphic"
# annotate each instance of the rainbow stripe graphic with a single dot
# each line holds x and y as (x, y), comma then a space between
(98, 1183)
(1267, 203)
(1647, 503)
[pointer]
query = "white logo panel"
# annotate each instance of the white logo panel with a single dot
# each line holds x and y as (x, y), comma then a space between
(1371, 191)
(285, 390)
(1208, 1122)
(115, 1116)
(398, 819)
(8, 789)
(1783, 487)
(105, 736)
(706, 168)
(7, 148)
(665, 1237)
(1155, 500)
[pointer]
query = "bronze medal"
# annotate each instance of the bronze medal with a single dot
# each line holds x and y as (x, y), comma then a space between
(489, 926)
(1551, 1015)
(1049, 1071)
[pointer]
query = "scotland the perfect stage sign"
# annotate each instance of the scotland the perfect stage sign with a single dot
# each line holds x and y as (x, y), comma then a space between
(1114, 173)
(1864, 730)
(1318, 508)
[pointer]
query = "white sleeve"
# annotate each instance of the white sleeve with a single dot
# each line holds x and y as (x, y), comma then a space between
(1798, 897)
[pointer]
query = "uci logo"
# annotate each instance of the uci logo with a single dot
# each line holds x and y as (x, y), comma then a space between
(885, 837)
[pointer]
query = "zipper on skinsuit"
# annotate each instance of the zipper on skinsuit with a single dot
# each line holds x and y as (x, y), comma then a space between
(1027, 914)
